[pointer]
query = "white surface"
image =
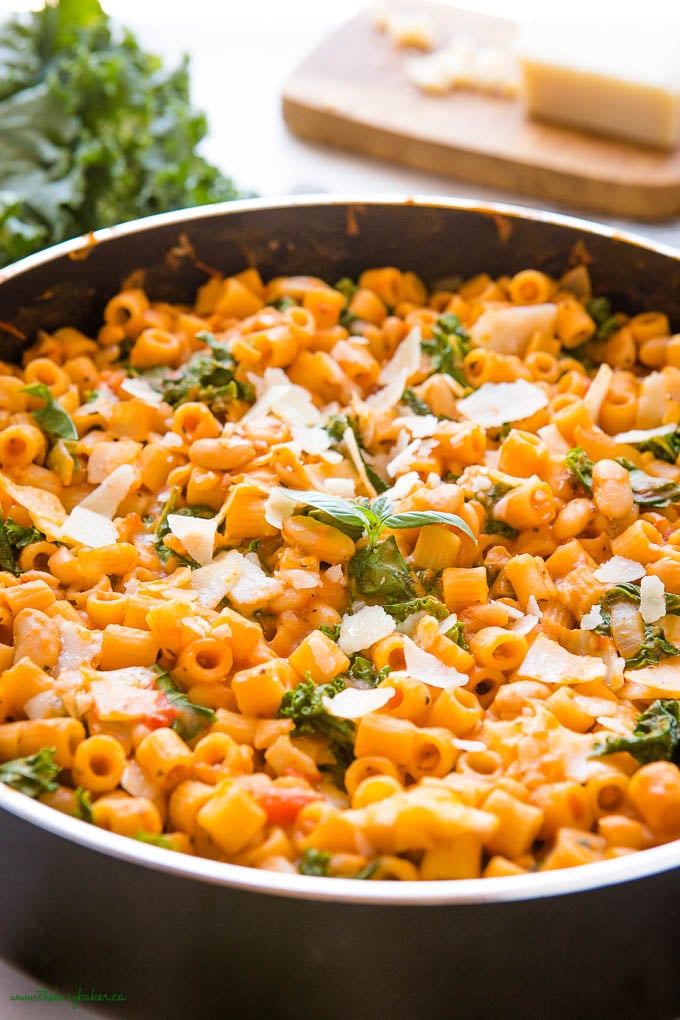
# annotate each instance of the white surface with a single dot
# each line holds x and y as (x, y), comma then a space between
(241, 54)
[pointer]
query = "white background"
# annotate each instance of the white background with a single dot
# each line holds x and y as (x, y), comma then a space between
(241, 53)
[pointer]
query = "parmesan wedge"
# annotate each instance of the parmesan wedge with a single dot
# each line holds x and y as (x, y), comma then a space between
(550, 663)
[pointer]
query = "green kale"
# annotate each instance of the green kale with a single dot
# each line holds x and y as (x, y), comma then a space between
(581, 466)
(653, 648)
(348, 289)
(283, 303)
(83, 808)
(457, 634)
(52, 418)
(363, 673)
(154, 838)
(448, 346)
(13, 538)
(494, 527)
(191, 719)
(93, 130)
(379, 574)
(331, 630)
(425, 604)
(414, 402)
(367, 872)
(663, 447)
(208, 377)
(314, 862)
(304, 705)
(656, 735)
(34, 775)
(648, 490)
(600, 311)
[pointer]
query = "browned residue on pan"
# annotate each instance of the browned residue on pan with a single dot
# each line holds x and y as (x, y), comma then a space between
(184, 249)
(82, 253)
(352, 224)
(9, 328)
(579, 255)
(504, 226)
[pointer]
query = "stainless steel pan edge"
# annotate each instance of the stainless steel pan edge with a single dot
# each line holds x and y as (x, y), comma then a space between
(184, 937)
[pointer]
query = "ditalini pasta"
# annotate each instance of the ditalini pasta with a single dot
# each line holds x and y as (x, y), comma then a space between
(362, 580)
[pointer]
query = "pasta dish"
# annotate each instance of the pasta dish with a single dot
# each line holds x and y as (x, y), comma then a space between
(362, 580)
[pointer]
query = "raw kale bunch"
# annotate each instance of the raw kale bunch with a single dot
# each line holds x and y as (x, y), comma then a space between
(93, 130)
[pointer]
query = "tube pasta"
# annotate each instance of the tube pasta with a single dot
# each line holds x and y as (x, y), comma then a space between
(189, 684)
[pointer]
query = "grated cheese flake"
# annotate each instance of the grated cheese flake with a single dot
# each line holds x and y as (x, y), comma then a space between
(139, 388)
(278, 507)
(619, 570)
(355, 702)
(360, 630)
(641, 435)
(406, 359)
(422, 665)
(86, 527)
(197, 535)
(597, 391)
(592, 619)
(494, 404)
(550, 663)
(509, 330)
(107, 497)
(533, 607)
(652, 599)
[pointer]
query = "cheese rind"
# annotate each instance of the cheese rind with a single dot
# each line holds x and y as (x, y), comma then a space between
(619, 80)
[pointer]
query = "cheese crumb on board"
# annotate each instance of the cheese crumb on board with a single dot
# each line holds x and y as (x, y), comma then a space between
(621, 80)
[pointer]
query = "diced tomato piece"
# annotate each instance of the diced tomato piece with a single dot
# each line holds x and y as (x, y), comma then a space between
(284, 803)
(164, 715)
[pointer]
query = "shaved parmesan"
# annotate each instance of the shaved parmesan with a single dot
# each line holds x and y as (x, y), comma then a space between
(197, 535)
(350, 441)
(344, 487)
(362, 629)
(593, 619)
(652, 599)
(420, 426)
(354, 702)
(287, 400)
(447, 623)
(403, 459)
(641, 435)
(138, 387)
(213, 581)
(278, 506)
(533, 607)
(44, 508)
(508, 330)
(421, 665)
(79, 645)
(85, 527)
(102, 404)
(554, 440)
(299, 578)
(405, 360)
(403, 486)
(239, 577)
(514, 614)
(550, 663)
(122, 694)
(389, 396)
(619, 570)
(106, 498)
(494, 404)
(311, 438)
(469, 745)
(651, 682)
(107, 455)
(335, 573)
(597, 391)
(524, 625)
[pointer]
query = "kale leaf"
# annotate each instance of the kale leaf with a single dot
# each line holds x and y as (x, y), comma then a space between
(656, 735)
(191, 719)
(314, 862)
(93, 130)
(208, 377)
(654, 647)
(600, 311)
(304, 705)
(13, 538)
(414, 402)
(380, 575)
(447, 348)
(34, 775)
(55, 422)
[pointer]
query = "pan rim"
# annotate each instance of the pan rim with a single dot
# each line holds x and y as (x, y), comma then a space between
(460, 892)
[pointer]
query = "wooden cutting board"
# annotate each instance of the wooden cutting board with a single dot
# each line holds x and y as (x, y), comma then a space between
(352, 93)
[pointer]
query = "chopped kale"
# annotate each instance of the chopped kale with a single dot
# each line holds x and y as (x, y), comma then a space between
(304, 705)
(208, 377)
(380, 575)
(191, 719)
(414, 402)
(314, 862)
(600, 311)
(447, 348)
(656, 735)
(83, 808)
(581, 466)
(653, 648)
(33, 775)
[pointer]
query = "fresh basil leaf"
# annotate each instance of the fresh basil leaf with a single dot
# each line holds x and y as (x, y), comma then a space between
(421, 518)
(52, 418)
